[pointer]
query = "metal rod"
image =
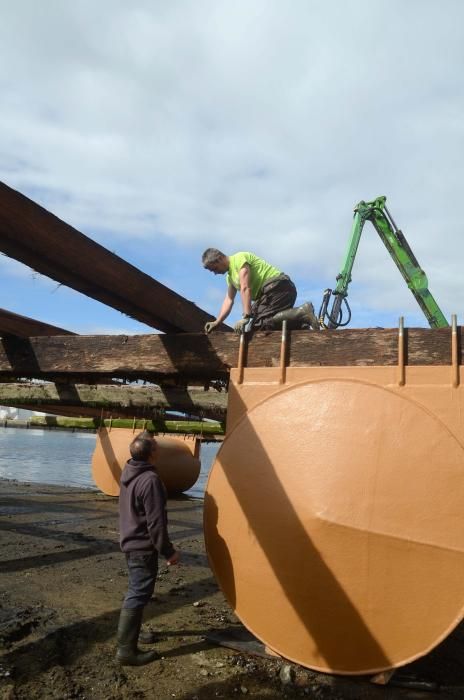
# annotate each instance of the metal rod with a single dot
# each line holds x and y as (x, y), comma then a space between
(241, 357)
(454, 351)
(401, 369)
(391, 219)
(283, 353)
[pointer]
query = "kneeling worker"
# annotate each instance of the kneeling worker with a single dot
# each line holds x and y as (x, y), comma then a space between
(267, 294)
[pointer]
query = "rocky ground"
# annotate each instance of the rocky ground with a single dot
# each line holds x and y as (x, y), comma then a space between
(62, 581)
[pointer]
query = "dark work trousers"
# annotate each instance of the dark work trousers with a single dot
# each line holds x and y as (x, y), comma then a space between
(278, 294)
(143, 569)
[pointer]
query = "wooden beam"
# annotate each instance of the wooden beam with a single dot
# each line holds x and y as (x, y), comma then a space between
(125, 400)
(197, 357)
(151, 357)
(23, 327)
(31, 234)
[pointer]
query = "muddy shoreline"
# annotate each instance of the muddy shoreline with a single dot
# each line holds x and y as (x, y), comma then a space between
(62, 581)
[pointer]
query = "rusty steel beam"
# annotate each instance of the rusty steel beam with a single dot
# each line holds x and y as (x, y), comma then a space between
(24, 327)
(36, 237)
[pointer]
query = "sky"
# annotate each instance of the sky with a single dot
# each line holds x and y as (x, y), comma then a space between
(159, 129)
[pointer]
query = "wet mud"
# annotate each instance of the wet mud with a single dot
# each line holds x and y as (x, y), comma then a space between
(61, 586)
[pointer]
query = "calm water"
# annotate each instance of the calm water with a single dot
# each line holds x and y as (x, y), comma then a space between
(64, 458)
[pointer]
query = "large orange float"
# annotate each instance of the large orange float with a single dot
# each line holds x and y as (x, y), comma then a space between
(334, 512)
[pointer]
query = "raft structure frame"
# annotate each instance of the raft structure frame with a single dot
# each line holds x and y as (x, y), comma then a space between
(333, 513)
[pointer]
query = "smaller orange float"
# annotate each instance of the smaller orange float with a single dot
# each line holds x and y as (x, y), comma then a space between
(177, 461)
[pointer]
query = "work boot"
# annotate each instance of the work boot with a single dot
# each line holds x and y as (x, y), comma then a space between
(130, 621)
(301, 316)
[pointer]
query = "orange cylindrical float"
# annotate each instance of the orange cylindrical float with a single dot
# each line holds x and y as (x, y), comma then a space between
(334, 512)
(177, 460)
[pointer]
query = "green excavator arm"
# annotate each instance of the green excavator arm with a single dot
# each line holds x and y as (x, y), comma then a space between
(377, 213)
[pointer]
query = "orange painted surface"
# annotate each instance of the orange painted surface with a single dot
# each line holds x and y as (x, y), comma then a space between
(177, 463)
(334, 513)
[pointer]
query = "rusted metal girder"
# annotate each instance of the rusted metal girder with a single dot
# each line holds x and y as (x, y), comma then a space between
(36, 237)
(24, 327)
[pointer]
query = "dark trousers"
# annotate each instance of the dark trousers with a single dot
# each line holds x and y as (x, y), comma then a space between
(277, 295)
(143, 569)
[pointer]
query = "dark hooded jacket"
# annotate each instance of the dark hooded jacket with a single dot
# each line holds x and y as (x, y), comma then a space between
(142, 510)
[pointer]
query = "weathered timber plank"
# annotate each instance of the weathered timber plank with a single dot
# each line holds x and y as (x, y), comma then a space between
(145, 356)
(190, 357)
(31, 234)
(119, 400)
(24, 327)
(371, 346)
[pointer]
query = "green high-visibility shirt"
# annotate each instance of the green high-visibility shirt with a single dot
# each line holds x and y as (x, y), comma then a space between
(260, 272)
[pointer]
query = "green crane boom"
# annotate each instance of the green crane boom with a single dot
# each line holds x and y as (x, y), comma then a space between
(377, 213)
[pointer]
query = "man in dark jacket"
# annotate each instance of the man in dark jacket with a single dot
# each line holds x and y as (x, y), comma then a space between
(143, 536)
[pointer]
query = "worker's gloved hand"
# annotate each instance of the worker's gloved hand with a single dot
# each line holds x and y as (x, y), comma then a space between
(211, 325)
(240, 325)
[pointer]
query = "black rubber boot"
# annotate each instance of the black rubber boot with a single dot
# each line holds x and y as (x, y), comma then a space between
(130, 621)
(301, 316)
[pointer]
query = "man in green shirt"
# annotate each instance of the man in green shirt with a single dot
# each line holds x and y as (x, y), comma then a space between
(267, 294)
